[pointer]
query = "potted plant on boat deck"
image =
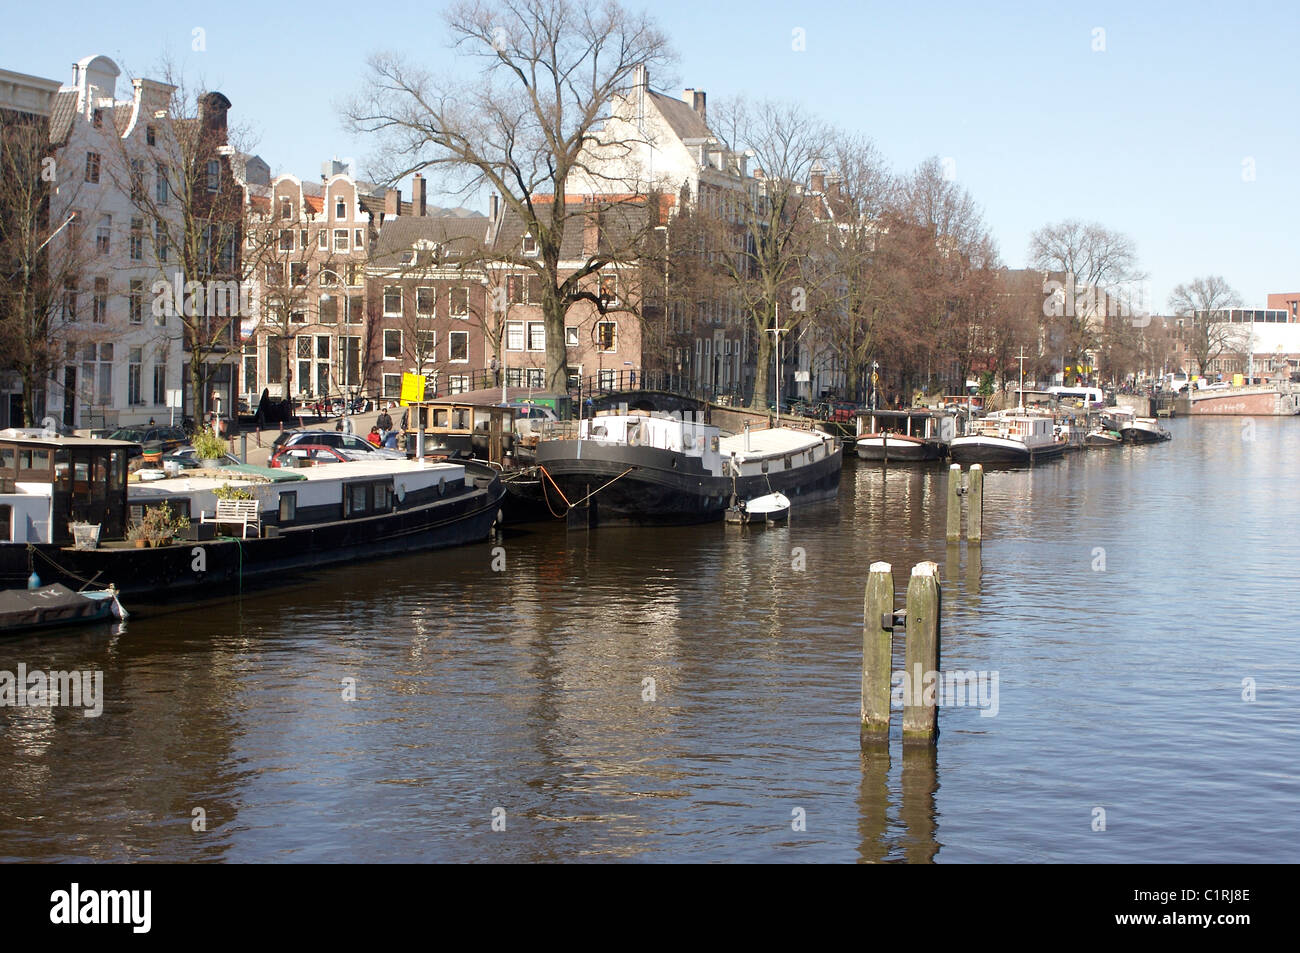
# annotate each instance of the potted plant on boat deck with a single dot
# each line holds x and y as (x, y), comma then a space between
(208, 447)
(157, 527)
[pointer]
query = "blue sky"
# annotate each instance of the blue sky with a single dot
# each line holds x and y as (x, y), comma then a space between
(1150, 136)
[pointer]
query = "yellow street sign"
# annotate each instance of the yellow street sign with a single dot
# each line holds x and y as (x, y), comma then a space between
(412, 389)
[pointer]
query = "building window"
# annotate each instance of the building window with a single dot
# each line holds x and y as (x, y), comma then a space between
(286, 239)
(350, 361)
(605, 336)
(457, 383)
(515, 289)
(355, 273)
(103, 235)
(298, 273)
(137, 239)
(459, 302)
(214, 175)
(275, 359)
(340, 208)
(297, 316)
(609, 289)
(136, 298)
(150, 136)
(250, 368)
(424, 300)
(92, 167)
(286, 209)
(533, 377)
(514, 335)
(99, 309)
(392, 344)
(392, 301)
(134, 373)
(161, 190)
(329, 279)
(323, 239)
(340, 239)
(329, 309)
(160, 384)
(392, 385)
(458, 347)
(536, 336)
(160, 243)
(137, 180)
(530, 245)
(356, 310)
(570, 337)
(275, 274)
(358, 239)
(97, 371)
(70, 300)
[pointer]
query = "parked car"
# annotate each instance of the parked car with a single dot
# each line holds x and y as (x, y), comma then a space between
(338, 440)
(151, 439)
(315, 454)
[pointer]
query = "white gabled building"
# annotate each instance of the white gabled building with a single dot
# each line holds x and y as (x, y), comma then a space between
(120, 359)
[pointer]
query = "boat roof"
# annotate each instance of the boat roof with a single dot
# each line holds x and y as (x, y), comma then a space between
(325, 471)
(51, 439)
(776, 440)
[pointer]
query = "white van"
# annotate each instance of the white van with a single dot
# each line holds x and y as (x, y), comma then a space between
(1092, 396)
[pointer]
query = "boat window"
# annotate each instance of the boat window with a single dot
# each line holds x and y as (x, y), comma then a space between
(6, 523)
(288, 506)
(383, 497)
(81, 471)
(356, 499)
(7, 457)
(116, 470)
(440, 417)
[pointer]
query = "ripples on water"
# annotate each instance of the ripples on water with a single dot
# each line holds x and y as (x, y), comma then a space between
(1119, 689)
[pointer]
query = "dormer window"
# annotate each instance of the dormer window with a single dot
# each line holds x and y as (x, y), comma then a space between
(150, 135)
(97, 118)
(530, 245)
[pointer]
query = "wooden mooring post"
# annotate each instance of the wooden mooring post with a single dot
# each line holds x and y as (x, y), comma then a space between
(921, 658)
(954, 503)
(877, 652)
(921, 654)
(975, 508)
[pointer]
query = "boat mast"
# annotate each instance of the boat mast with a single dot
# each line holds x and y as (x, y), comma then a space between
(1021, 408)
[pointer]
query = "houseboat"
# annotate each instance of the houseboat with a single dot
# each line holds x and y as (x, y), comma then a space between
(906, 436)
(227, 526)
(643, 468)
(1016, 438)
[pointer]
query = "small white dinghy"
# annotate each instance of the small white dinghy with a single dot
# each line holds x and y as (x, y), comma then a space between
(770, 508)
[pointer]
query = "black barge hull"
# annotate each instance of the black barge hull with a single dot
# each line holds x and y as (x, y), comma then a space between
(645, 486)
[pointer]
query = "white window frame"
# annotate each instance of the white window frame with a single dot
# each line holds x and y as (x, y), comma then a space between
(398, 355)
(341, 239)
(433, 307)
(401, 299)
(451, 347)
(528, 339)
(523, 335)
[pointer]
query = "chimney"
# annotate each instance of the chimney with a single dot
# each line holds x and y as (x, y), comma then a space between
(688, 97)
(418, 203)
(494, 205)
(590, 227)
(818, 181)
(698, 104)
(393, 203)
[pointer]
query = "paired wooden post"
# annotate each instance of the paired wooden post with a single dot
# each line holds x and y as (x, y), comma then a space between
(877, 636)
(975, 508)
(954, 503)
(922, 655)
(920, 724)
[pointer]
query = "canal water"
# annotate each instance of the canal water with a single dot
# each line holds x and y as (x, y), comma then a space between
(693, 693)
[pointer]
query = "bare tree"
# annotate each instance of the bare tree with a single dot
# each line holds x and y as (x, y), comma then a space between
(40, 260)
(858, 287)
(1094, 264)
(184, 188)
(1209, 333)
(765, 254)
(522, 127)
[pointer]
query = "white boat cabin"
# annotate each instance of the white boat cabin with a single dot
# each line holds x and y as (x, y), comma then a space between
(745, 454)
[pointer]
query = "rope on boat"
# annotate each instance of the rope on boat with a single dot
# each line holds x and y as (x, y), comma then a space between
(71, 575)
(568, 505)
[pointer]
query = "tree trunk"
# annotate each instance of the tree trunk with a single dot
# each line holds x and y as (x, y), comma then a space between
(762, 395)
(557, 357)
